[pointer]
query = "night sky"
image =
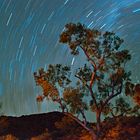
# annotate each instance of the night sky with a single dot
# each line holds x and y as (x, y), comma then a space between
(29, 39)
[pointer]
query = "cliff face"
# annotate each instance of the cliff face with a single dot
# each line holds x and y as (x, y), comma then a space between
(57, 126)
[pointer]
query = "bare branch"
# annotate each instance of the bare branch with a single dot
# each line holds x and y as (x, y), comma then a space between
(82, 80)
(112, 95)
(82, 124)
(92, 79)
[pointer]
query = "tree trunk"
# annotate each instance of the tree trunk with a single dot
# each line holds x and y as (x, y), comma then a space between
(84, 117)
(94, 136)
(61, 105)
(98, 125)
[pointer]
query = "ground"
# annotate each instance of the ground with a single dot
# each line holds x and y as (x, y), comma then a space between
(57, 126)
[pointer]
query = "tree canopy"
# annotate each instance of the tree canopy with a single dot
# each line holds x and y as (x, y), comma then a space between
(103, 79)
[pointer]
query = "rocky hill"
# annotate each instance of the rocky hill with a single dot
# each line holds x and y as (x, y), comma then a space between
(38, 126)
(58, 126)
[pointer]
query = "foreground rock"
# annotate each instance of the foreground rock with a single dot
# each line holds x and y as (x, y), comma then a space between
(57, 126)
(39, 127)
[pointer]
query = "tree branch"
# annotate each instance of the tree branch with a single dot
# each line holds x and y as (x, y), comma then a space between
(84, 116)
(90, 89)
(82, 80)
(92, 62)
(112, 95)
(92, 79)
(81, 123)
(101, 62)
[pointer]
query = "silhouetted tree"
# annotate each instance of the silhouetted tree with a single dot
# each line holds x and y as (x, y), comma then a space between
(102, 78)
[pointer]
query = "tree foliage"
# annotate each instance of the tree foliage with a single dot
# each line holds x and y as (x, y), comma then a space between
(54, 78)
(103, 76)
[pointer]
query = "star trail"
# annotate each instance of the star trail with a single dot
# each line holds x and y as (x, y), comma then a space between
(29, 39)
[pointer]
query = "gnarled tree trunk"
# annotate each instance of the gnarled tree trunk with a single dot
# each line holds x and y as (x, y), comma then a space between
(98, 125)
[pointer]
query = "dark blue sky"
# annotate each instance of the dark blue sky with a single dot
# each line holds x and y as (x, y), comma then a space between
(29, 34)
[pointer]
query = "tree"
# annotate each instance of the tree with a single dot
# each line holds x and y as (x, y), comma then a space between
(74, 100)
(56, 77)
(103, 76)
